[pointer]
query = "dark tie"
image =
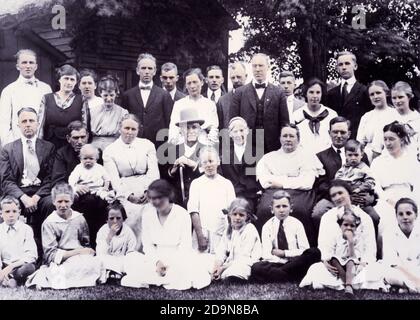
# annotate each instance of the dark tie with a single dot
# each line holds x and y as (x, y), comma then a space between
(213, 97)
(314, 122)
(145, 87)
(260, 86)
(30, 82)
(344, 93)
(281, 238)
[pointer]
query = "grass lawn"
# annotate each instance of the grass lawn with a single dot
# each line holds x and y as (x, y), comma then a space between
(218, 291)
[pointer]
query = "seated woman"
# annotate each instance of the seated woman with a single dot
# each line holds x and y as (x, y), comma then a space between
(69, 262)
(401, 248)
(105, 118)
(240, 246)
(132, 165)
(294, 170)
(60, 108)
(114, 241)
(168, 259)
(313, 118)
(286, 252)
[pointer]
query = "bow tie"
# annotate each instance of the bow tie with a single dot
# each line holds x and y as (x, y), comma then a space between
(260, 85)
(314, 122)
(145, 87)
(30, 82)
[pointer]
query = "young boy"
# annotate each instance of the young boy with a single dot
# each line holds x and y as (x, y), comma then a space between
(91, 174)
(209, 195)
(358, 175)
(18, 251)
(285, 249)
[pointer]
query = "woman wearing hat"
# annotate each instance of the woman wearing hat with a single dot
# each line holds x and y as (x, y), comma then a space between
(183, 161)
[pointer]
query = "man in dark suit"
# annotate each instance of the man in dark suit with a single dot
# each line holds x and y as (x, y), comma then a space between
(150, 103)
(262, 105)
(214, 88)
(169, 77)
(238, 76)
(350, 98)
(26, 166)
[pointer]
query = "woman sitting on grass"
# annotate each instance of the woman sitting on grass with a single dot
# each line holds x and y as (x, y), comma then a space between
(114, 241)
(240, 245)
(69, 262)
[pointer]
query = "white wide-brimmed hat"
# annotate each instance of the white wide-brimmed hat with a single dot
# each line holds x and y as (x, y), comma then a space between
(189, 115)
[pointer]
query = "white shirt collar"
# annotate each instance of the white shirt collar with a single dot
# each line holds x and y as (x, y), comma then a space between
(24, 80)
(142, 84)
(54, 217)
(189, 151)
(350, 82)
(255, 81)
(291, 98)
(172, 93)
(24, 140)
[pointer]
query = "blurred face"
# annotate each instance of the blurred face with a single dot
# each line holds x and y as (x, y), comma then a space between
(259, 68)
(400, 101)
(348, 224)
(77, 139)
(10, 213)
(190, 132)
(26, 65)
(169, 79)
(87, 86)
(215, 79)
(289, 139)
(67, 83)
(88, 158)
(346, 66)
(339, 134)
(63, 203)
(146, 69)
(239, 133)
(281, 208)
(340, 196)
(288, 85)
(115, 218)
(108, 97)
(28, 124)
(193, 85)
(313, 97)
(353, 158)
(237, 76)
(209, 162)
(129, 130)
(238, 219)
(158, 201)
(392, 143)
(406, 217)
(377, 96)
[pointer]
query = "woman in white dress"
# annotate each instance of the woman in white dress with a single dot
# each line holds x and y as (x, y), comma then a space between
(313, 119)
(132, 165)
(372, 122)
(168, 259)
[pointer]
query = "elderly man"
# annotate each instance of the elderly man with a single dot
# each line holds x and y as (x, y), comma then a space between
(25, 91)
(150, 103)
(214, 80)
(288, 84)
(238, 76)
(262, 105)
(25, 166)
(169, 77)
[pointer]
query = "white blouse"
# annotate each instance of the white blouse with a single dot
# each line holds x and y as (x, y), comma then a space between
(119, 245)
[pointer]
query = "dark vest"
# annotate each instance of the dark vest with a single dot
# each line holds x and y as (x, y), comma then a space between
(259, 121)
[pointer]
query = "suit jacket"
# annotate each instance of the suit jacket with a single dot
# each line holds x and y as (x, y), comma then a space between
(357, 103)
(223, 109)
(205, 87)
(155, 116)
(178, 95)
(12, 165)
(276, 115)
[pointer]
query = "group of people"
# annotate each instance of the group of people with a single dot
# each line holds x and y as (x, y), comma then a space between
(181, 189)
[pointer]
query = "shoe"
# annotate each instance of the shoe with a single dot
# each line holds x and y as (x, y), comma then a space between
(349, 290)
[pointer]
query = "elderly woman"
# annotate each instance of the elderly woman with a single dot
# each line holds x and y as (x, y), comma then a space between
(105, 118)
(294, 170)
(313, 118)
(207, 110)
(168, 259)
(132, 165)
(401, 94)
(60, 108)
(372, 122)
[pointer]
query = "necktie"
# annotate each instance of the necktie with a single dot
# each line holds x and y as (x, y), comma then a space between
(260, 86)
(281, 238)
(30, 82)
(11, 229)
(339, 152)
(145, 88)
(314, 122)
(31, 162)
(344, 93)
(213, 97)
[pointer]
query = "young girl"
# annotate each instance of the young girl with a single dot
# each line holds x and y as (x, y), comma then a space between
(402, 250)
(69, 262)
(240, 246)
(114, 241)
